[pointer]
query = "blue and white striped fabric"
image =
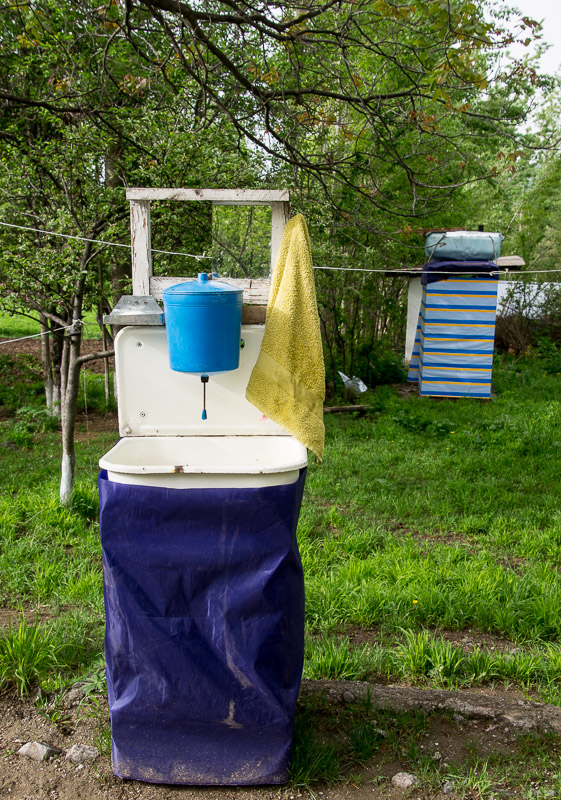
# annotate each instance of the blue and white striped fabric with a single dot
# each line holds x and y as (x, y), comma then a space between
(454, 343)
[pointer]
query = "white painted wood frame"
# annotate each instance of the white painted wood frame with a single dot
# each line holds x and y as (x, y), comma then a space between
(256, 292)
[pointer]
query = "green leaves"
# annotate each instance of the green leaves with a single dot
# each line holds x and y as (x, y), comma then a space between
(27, 654)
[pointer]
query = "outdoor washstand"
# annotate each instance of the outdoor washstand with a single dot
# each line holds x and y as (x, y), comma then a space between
(203, 582)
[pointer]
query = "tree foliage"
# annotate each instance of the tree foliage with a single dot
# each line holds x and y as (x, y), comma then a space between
(385, 100)
(374, 113)
(80, 130)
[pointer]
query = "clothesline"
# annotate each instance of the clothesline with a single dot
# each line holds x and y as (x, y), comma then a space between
(199, 256)
(412, 273)
(44, 333)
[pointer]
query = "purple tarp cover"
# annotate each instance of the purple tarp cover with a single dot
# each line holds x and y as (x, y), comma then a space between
(204, 603)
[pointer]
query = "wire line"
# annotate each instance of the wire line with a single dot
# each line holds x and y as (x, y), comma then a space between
(200, 256)
(43, 333)
(98, 241)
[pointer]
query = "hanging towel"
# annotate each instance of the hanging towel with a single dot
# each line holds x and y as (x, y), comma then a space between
(288, 381)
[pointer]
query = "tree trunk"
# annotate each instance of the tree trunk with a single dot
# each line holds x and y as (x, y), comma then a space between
(70, 387)
(47, 363)
(104, 333)
(70, 377)
(51, 360)
(57, 345)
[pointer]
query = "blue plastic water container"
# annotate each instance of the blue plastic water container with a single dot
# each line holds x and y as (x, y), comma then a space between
(203, 325)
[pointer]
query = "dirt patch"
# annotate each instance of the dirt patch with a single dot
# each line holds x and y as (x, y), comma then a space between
(91, 424)
(468, 639)
(496, 708)
(88, 425)
(32, 347)
(59, 779)
(447, 740)
(399, 529)
(12, 616)
(471, 639)
(406, 389)
(514, 563)
(444, 537)
(359, 637)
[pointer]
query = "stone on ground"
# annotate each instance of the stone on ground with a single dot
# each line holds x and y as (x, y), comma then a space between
(79, 753)
(74, 696)
(39, 751)
(403, 780)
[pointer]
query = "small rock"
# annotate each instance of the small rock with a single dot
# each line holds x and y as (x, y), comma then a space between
(39, 751)
(447, 787)
(403, 780)
(80, 766)
(381, 732)
(79, 753)
(348, 697)
(73, 697)
(458, 718)
(437, 755)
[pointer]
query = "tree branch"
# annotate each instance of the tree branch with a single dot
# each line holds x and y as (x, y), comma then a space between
(95, 356)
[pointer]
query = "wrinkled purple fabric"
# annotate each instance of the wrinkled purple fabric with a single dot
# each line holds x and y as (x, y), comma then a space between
(204, 602)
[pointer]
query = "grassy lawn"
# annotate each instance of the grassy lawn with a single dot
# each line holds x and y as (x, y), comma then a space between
(432, 517)
(430, 537)
(16, 326)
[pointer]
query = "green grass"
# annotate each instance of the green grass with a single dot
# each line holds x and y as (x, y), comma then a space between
(426, 518)
(420, 657)
(22, 396)
(328, 744)
(16, 326)
(50, 557)
(26, 654)
(440, 515)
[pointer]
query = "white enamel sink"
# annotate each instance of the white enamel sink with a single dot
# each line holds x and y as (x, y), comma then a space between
(180, 462)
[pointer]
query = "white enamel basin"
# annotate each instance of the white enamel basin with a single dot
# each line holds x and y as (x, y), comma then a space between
(179, 462)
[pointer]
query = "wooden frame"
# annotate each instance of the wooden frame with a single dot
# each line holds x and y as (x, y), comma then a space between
(256, 292)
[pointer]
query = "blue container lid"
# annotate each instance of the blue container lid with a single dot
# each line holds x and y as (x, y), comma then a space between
(201, 285)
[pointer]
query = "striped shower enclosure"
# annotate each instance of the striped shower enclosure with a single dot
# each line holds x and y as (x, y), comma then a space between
(454, 342)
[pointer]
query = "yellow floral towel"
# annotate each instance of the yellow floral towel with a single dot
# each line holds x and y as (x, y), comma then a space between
(288, 381)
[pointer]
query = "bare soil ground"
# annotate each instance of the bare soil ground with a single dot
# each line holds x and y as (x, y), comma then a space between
(446, 740)
(32, 347)
(468, 639)
(91, 423)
